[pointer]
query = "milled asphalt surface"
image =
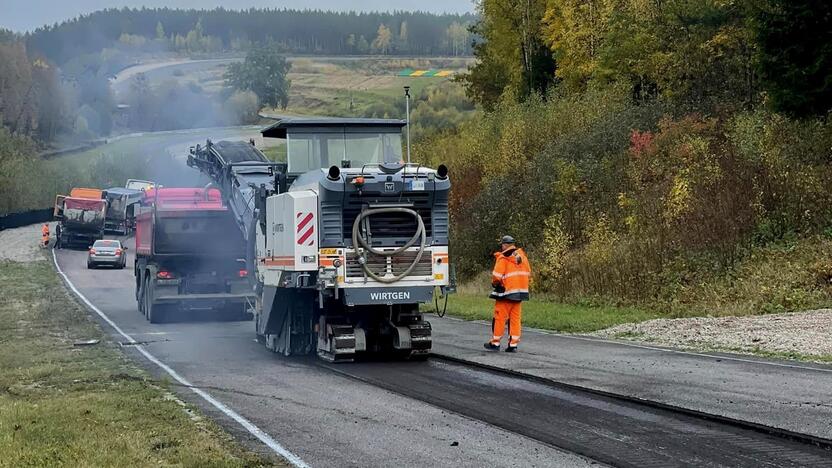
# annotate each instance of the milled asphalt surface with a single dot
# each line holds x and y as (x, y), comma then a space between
(611, 430)
(782, 394)
(324, 418)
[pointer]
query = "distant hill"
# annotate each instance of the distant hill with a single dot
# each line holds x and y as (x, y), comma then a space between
(28, 15)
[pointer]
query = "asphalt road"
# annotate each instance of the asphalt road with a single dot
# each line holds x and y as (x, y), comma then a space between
(415, 414)
(324, 418)
(608, 429)
(789, 395)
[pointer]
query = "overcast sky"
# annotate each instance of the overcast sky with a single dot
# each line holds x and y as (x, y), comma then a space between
(25, 15)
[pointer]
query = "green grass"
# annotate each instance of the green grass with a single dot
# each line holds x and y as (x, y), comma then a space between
(548, 315)
(63, 405)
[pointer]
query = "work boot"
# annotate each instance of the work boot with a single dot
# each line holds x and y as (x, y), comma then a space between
(491, 347)
(511, 349)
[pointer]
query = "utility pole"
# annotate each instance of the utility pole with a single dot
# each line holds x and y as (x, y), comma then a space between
(407, 113)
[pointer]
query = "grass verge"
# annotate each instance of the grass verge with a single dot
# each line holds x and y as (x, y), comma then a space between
(568, 318)
(67, 405)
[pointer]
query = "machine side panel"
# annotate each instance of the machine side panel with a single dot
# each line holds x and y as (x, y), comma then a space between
(293, 238)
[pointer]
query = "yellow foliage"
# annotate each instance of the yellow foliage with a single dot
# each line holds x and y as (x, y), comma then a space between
(601, 247)
(575, 31)
(551, 260)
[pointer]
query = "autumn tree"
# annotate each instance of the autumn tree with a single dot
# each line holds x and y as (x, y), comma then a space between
(458, 37)
(699, 55)
(18, 96)
(511, 52)
(575, 30)
(401, 41)
(383, 40)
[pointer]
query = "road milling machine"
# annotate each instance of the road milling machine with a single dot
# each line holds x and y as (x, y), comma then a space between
(345, 239)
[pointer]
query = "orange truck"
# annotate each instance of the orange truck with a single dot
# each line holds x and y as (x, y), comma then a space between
(82, 215)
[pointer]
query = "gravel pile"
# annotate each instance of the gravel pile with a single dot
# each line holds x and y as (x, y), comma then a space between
(805, 333)
(21, 244)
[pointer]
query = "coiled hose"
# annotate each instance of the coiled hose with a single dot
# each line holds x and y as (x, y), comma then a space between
(358, 240)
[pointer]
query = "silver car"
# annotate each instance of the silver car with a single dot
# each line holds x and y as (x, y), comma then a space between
(107, 252)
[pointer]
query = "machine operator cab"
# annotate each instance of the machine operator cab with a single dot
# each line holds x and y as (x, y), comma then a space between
(313, 144)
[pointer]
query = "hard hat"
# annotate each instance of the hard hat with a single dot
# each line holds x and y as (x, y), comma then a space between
(507, 240)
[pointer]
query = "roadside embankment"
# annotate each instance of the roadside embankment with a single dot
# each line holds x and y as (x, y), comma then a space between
(20, 245)
(800, 335)
(70, 397)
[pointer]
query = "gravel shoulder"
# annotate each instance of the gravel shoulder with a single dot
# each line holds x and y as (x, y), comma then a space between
(802, 335)
(21, 244)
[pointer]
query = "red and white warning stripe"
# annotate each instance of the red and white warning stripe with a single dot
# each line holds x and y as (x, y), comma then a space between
(306, 228)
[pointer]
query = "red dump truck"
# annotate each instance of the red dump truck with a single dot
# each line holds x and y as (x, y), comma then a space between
(82, 216)
(189, 256)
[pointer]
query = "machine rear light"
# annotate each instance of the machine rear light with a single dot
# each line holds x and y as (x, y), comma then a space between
(165, 275)
(92, 251)
(243, 273)
(118, 251)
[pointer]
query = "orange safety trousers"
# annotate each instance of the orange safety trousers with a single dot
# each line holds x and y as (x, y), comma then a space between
(506, 311)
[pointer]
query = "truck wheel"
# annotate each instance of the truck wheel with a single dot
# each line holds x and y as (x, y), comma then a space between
(155, 312)
(139, 291)
(140, 297)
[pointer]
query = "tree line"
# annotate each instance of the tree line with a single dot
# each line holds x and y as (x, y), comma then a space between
(650, 152)
(296, 31)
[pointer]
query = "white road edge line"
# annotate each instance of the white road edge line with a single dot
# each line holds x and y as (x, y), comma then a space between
(723, 357)
(248, 425)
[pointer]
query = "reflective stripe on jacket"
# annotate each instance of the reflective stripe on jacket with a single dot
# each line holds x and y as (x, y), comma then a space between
(511, 276)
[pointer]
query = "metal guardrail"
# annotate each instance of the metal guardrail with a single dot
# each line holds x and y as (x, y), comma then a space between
(25, 218)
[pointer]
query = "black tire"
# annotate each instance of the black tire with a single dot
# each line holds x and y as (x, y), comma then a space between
(138, 286)
(155, 313)
(140, 297)
(90, 266)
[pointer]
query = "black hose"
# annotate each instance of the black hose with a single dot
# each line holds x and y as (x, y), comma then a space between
(420, 235)
(436, 305)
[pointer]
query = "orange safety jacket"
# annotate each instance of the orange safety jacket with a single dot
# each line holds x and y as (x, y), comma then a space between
(511, 276)
(44, 230)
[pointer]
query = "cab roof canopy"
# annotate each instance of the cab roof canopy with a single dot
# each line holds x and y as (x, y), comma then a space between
(332, 125)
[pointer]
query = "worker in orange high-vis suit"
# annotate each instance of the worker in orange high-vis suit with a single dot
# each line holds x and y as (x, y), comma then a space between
(44, 235)
(510, 280)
